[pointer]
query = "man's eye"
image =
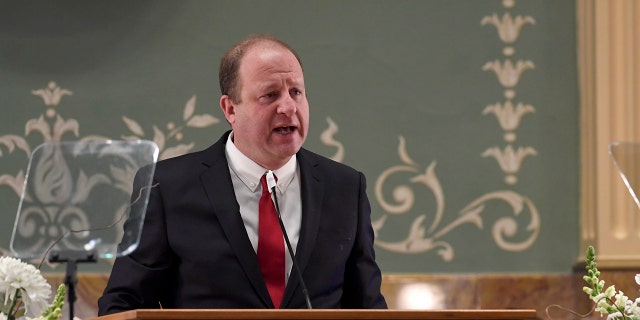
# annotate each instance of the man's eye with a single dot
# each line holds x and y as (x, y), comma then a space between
(297, 92)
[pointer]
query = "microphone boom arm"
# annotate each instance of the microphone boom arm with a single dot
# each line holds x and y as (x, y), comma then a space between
(296, 270)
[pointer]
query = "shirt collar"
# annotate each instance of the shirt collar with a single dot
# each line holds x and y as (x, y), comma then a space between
(250, 172)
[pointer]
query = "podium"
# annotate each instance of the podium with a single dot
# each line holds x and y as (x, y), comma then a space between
(319, 314)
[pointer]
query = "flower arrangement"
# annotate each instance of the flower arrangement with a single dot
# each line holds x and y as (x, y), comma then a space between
(608, 301)
(24, 293)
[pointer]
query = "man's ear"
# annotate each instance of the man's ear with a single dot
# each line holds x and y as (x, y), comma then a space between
(228, 108)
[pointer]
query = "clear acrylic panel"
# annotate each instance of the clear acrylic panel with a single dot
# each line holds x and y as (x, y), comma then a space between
(78, 194)
(626, 158)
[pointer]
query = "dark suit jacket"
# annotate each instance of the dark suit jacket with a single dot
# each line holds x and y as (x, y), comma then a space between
(194, 251)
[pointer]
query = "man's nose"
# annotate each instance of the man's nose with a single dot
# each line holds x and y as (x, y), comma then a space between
(287, 105)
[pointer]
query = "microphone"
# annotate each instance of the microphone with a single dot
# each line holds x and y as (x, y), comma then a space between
(271, 184)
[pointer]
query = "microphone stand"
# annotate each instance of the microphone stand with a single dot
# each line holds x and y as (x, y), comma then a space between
(286, 239)
(72, 257)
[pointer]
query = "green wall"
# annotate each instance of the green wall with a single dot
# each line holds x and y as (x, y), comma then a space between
(402, 90)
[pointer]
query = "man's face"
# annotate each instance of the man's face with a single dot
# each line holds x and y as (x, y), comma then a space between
(270, 123)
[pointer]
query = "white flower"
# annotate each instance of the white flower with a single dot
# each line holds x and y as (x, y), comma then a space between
(621, 300)
(610, 292)
(602, 306)
(634, 308)
(19, 278)
(614, 303)
(599, 297)
(3, 316)
(614, 315)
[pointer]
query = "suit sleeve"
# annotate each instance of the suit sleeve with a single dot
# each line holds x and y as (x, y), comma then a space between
(142, 278)
(362, 274)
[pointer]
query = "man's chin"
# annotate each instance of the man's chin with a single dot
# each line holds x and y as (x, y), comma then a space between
(289, 150)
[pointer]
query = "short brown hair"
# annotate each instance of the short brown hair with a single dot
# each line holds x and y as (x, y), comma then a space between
(230, 63)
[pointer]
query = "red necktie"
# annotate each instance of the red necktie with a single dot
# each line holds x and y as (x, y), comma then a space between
(270, 246)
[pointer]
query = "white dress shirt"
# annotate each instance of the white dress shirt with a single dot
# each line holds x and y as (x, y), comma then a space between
(246, 175)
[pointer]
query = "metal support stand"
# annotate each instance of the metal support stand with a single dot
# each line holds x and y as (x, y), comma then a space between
(72, 258)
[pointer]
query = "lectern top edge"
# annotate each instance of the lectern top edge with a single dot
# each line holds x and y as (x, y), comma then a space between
(321, 314)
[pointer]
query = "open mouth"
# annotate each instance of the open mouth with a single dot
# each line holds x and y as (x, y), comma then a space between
(285, 130)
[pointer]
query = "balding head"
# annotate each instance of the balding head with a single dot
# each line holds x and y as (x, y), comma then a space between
(230, 63)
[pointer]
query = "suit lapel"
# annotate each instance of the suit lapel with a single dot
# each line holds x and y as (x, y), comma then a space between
(312, 191)
(216, 181)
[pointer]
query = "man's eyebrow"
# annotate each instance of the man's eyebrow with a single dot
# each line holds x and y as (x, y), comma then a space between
(297, 82)
(267, 85)
(270, 85)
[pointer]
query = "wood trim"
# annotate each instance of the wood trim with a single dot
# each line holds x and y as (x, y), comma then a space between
(233, 314)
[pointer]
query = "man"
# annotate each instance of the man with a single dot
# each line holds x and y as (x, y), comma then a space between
(201, 242)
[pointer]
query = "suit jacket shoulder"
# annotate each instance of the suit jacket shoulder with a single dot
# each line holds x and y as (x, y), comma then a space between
(186, 163)
(310, 159)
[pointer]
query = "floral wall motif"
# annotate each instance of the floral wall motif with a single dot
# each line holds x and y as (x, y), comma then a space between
(54, 212)
(462, 161)
(421, 238)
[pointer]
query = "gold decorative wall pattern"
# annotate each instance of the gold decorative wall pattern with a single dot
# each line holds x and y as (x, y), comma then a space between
(427, 231)
(52, 126)
(508, 74)
(174, 131)
(421, 239)
(326, 137)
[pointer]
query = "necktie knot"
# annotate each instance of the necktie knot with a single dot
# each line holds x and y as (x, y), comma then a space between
(265, 187)
(265, 184)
